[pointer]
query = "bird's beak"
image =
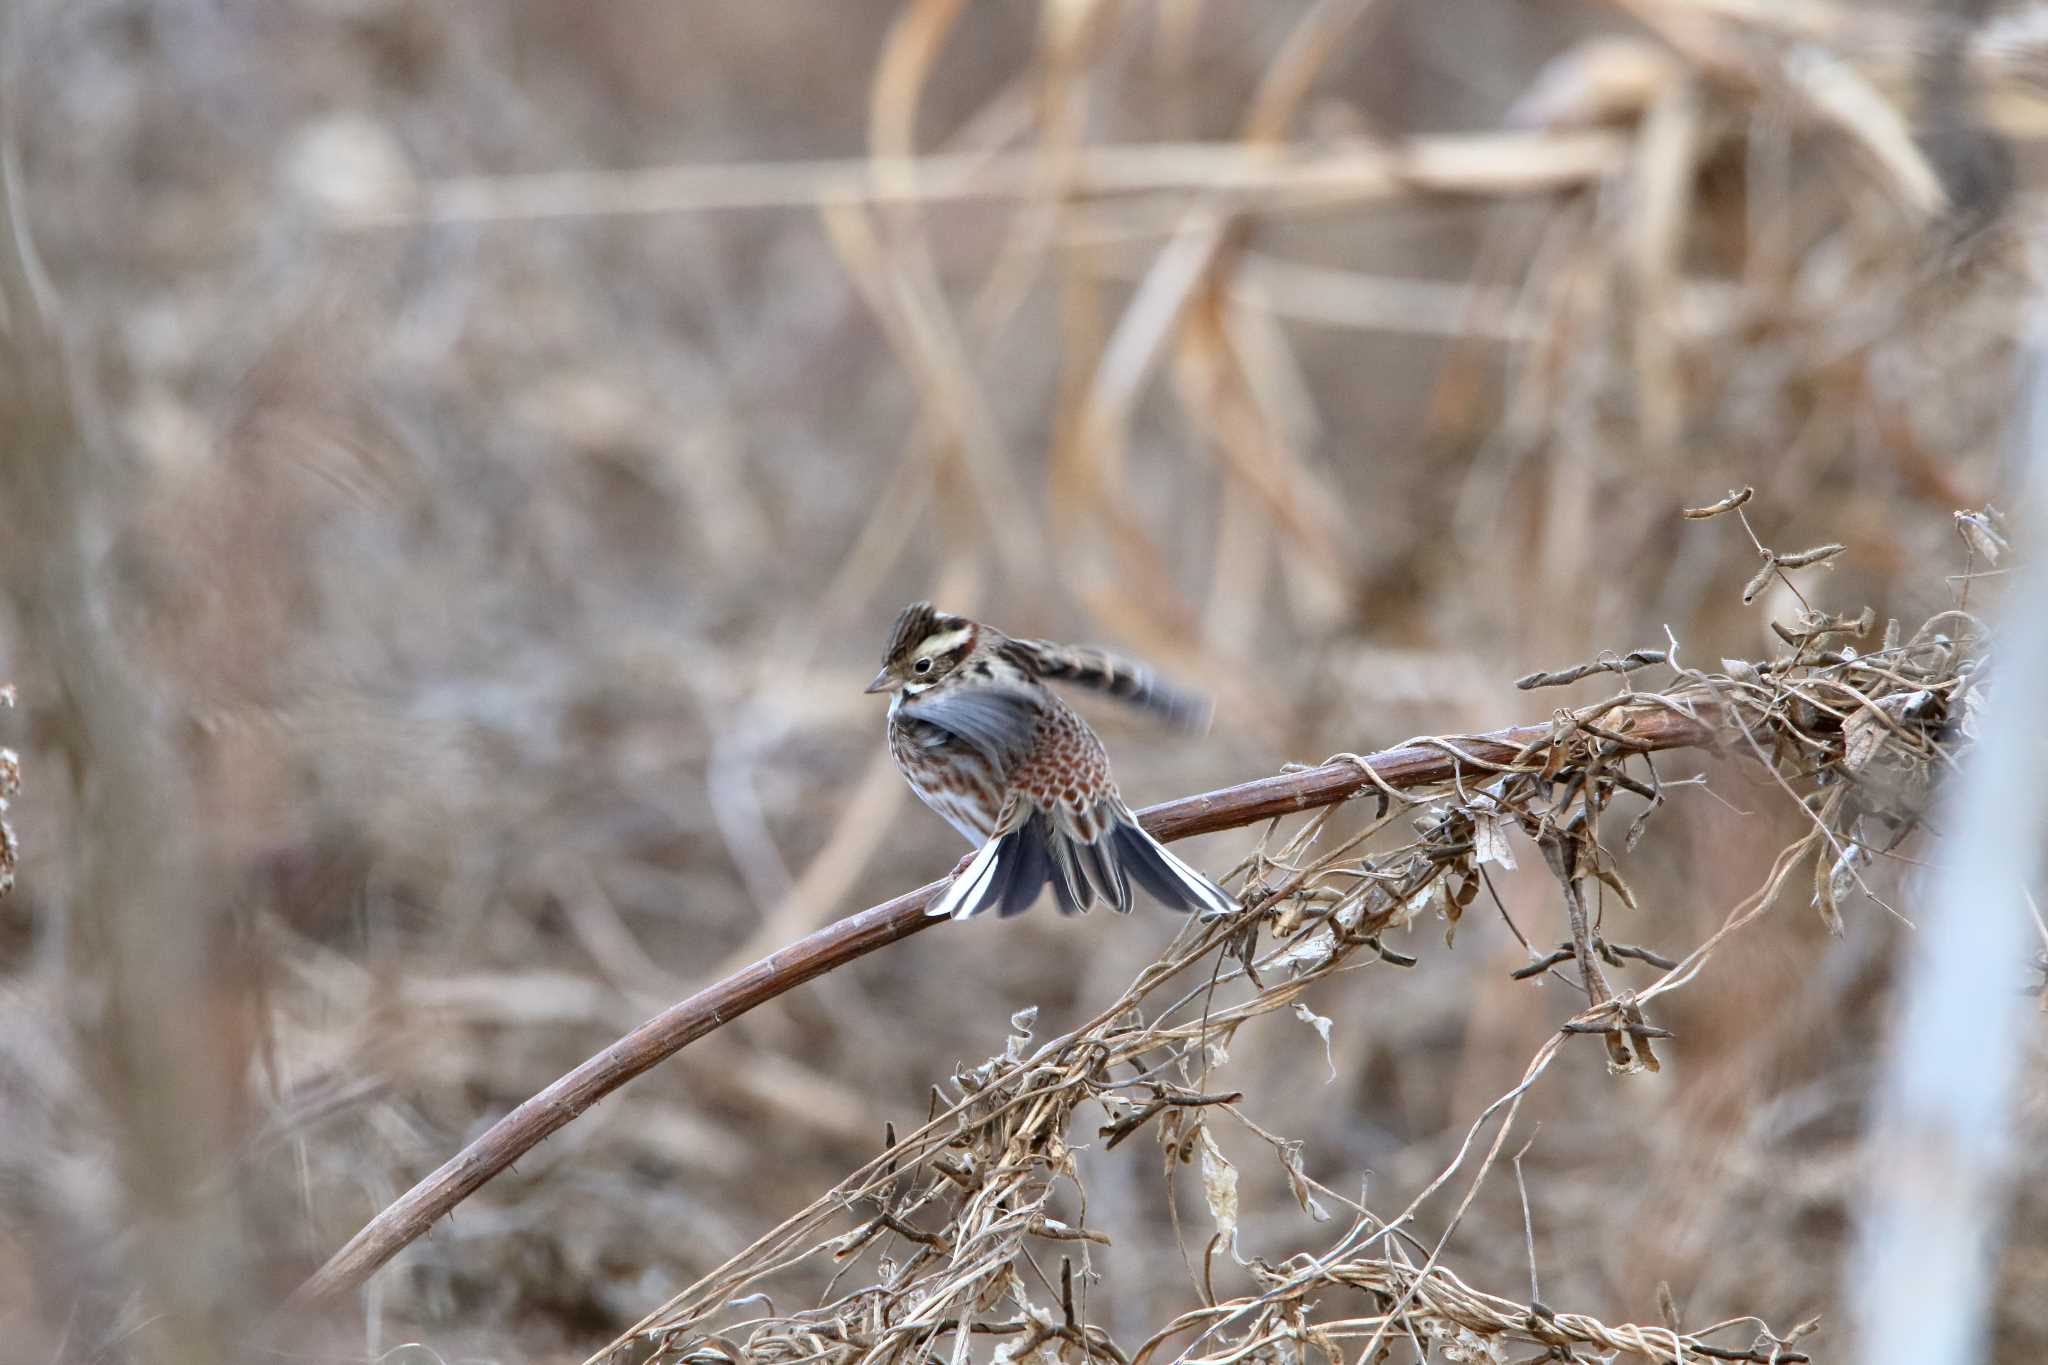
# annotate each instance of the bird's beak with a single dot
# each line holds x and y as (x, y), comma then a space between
(882, 683)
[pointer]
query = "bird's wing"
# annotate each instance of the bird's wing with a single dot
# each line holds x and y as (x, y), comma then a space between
(999, 721)
(1112, 675)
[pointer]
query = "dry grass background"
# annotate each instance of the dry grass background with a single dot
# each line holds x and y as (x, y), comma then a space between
(439, 598)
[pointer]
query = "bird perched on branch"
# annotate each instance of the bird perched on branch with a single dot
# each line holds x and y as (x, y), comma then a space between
(985, 743)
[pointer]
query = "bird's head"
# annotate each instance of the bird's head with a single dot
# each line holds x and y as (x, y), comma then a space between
(924, 646)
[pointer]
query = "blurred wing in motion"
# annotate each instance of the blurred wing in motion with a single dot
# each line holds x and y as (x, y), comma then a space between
(1114, 676)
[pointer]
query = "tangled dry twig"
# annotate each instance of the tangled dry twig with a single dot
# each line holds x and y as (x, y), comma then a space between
(958, 1212)
(1416, 764)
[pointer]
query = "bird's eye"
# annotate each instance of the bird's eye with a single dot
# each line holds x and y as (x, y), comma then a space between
(924, 665)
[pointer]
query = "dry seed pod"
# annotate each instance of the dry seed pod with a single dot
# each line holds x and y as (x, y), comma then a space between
(1727, 504)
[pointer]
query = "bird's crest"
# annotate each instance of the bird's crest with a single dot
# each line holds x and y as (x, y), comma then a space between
(918, 621)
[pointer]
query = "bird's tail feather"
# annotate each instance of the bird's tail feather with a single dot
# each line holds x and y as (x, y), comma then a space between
(1171, 882)
(1015, 864)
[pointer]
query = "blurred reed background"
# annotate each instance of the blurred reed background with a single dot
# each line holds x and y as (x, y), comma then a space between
(463, 462)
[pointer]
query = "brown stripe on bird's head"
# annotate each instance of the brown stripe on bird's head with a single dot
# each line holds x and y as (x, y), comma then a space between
(918, 622)
(913, 624)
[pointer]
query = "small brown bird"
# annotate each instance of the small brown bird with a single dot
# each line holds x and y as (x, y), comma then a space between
(986, 744)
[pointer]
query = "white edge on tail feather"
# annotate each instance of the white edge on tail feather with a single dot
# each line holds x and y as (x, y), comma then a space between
(972, 883)
(967, 887)
(1207, 892)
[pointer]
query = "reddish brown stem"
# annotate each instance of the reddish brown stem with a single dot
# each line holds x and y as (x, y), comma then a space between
(837, 944)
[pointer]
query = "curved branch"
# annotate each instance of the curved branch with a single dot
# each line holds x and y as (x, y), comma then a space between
(1411, 765)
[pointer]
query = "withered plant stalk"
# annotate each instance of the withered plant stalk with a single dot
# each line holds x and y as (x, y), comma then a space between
(1423, 763)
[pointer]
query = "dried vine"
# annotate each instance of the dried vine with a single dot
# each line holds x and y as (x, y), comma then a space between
(960, 1215)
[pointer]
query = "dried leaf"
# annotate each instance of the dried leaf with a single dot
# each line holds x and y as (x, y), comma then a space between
(1667, 1306)
(1860, 738)
(1866, 731)
(1021, 1024)
(1825, 898)
(1634, 835)
(1321, 1024)
(1219, 1186)
(1982, 538)
(1430, 897)
(1833, 881)
(1467, 889)
(1460, 1345)
(1297, 1181)
(1219, 1046)
(1973, 713)
(1311, 952)
(1490, 839)
(1620, 887)
(1347, 914)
